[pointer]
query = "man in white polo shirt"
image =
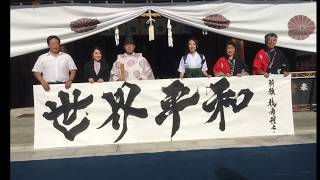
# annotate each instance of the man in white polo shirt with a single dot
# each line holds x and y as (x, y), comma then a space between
(54, 67)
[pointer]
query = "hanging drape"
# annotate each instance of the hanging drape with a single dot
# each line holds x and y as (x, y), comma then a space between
(294, 23)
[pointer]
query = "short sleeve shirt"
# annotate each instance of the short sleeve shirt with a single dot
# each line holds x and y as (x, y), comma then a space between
(54, 68)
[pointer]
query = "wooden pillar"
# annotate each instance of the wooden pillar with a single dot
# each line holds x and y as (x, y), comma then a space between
(35, 3)
(239, 48)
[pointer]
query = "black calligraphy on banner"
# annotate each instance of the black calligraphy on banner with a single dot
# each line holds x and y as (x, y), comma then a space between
(272, 104)
(271, 88)
(65, 109)
(117, 102)
(173, 104)
(225, 99)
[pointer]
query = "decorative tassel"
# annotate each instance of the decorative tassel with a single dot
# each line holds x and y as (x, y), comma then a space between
(170, 40)
(151, 28)
(151, 32)
(116, 36)
(204, 32)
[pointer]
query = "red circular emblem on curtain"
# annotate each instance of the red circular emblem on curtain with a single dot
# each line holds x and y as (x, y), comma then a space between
(300, 27)
(216, 21)
(84, 25)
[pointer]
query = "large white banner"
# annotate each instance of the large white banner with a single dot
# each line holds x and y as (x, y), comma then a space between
(162, 110)
(294, 22)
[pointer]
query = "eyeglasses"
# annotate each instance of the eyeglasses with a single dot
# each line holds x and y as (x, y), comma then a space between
(272, 39)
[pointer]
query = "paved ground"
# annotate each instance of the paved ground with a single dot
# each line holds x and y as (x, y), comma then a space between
(22, 127)
(291, 162)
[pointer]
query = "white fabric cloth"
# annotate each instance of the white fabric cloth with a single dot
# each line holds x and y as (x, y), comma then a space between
(135, 65)
(249, 20)
(54, 68)
(192, 62)
(39, 23)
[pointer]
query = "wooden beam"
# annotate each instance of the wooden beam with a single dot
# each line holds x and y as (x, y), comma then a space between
(152, 15)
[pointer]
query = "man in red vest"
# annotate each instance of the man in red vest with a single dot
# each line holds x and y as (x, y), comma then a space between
(270, 59)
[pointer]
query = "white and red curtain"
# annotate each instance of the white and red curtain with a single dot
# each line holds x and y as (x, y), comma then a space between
(294, 22)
